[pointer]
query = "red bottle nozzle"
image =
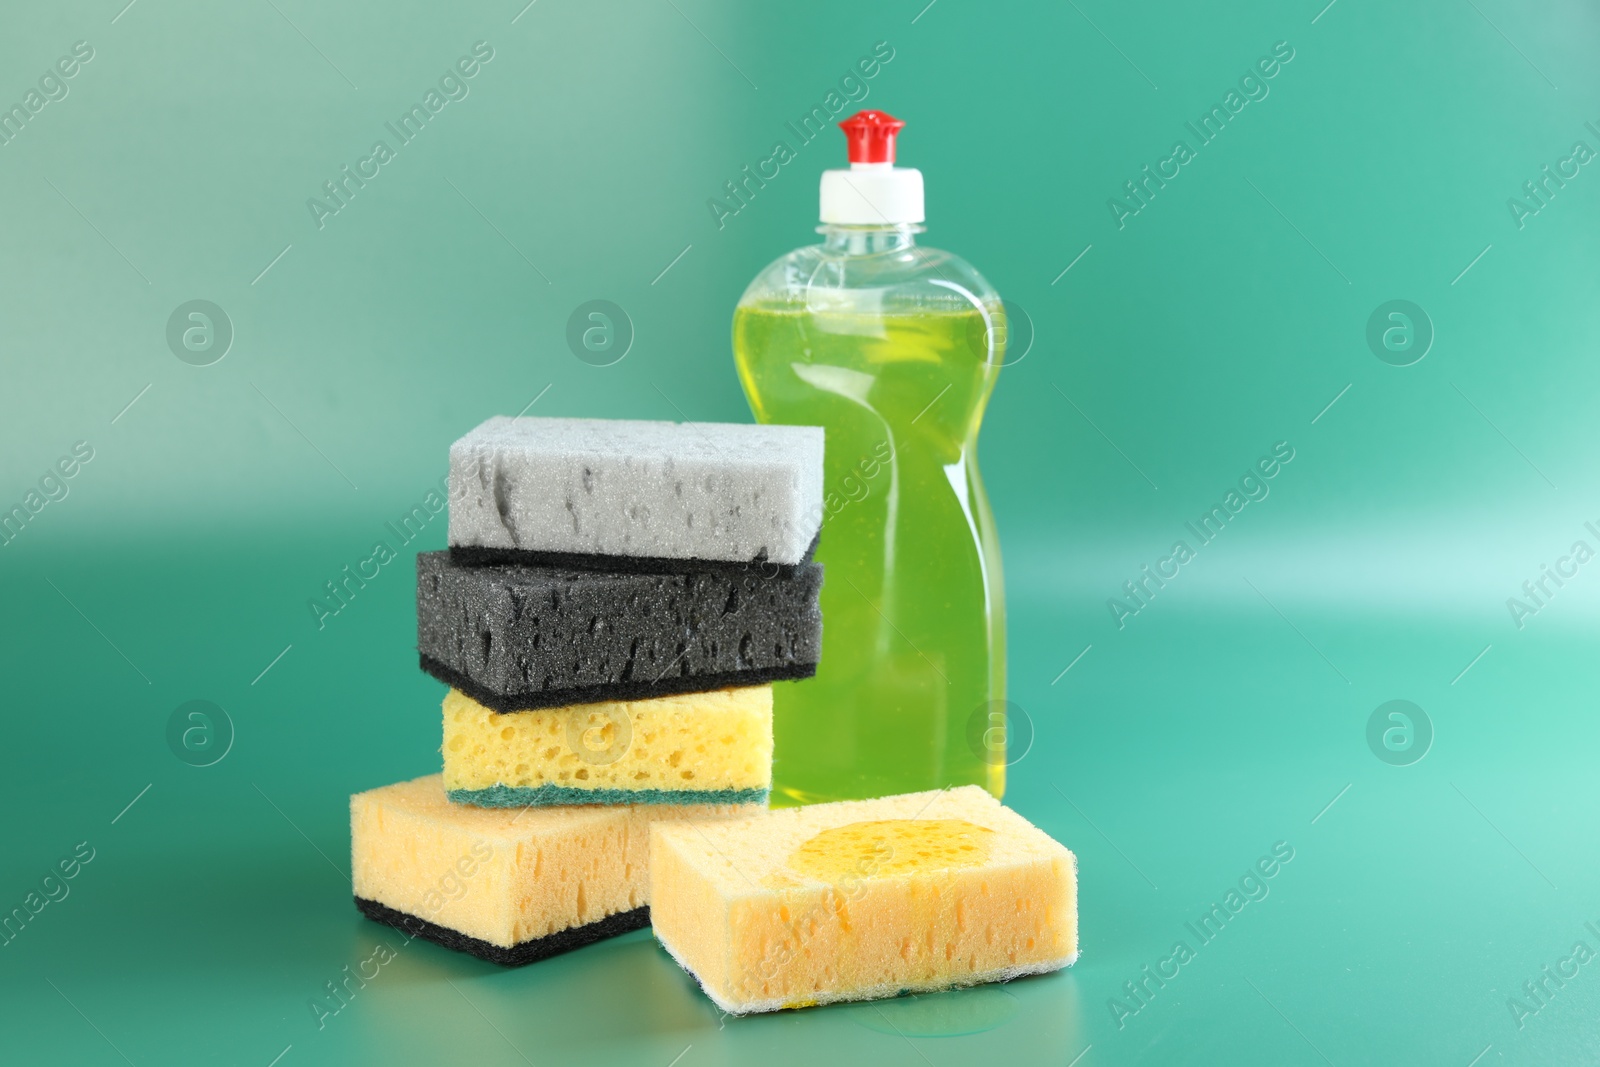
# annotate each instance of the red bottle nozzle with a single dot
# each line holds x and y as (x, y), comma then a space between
(871, 135)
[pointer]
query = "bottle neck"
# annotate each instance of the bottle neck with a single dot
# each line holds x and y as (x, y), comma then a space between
(868, 240)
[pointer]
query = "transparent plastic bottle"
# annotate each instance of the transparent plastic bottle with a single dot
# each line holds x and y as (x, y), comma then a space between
(894, 349)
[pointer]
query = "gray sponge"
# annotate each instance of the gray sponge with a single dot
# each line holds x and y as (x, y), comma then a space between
(558, 488)
(516, 636)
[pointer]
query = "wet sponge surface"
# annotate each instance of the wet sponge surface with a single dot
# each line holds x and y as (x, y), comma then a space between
(862, 899)
(694, 748)
(521, 636)
(611, 487)
(503, 878)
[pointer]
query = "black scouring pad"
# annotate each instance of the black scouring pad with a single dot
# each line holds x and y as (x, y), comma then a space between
(526, 952)
(761, 567)
(515, 637)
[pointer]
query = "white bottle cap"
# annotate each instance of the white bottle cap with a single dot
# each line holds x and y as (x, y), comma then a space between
(872, 195)
(873, 192)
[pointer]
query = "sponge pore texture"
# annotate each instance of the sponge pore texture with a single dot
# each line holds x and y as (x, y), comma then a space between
(611, 487)
(508, 885)
(861, 899)
(518, 636)
(702, 748)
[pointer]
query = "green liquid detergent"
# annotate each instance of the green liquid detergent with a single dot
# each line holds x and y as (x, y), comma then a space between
(893, 349)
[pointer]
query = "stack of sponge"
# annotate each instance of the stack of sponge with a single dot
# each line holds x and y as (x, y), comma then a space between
(616, 601)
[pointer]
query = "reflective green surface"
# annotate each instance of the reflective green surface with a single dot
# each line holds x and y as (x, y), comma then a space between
(1228, 714)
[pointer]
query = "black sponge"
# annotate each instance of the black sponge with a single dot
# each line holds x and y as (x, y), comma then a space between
(514, 637)
(525, 952)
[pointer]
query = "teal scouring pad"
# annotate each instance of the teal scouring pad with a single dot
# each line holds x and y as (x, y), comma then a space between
(501, 796)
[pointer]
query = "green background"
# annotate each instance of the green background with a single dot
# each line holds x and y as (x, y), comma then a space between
(1223, 318)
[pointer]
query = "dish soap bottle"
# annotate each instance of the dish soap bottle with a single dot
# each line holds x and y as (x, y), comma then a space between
(893, 348)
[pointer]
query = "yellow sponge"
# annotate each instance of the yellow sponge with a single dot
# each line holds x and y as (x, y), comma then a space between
(692, 748)
(862, 899)
(509, 886)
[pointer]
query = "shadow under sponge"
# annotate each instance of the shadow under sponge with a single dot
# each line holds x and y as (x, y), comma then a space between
(515, 637)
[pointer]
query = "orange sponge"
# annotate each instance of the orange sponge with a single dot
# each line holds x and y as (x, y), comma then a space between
(509, 885)
(862, 899)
